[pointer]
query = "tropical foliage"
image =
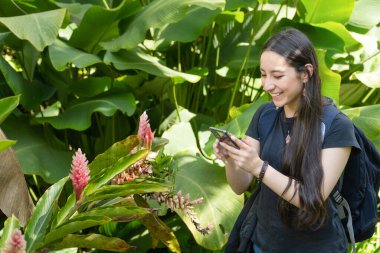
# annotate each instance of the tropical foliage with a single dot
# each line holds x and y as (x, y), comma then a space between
(77, 74)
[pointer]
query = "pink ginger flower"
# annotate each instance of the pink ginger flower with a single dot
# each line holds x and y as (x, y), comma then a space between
(16, 243)
(79, 173)
(145, 133)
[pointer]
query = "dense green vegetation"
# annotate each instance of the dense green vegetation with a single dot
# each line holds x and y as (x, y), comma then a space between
(79, 73)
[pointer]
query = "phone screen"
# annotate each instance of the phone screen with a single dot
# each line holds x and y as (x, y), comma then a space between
(223, 136)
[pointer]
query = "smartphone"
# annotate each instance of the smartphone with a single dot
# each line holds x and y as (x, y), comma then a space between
(224, 136)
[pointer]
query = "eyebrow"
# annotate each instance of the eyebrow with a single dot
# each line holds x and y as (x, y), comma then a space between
(274, 71)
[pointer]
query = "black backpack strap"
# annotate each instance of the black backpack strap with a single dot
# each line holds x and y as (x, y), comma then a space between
(240, 237)
(330, 111)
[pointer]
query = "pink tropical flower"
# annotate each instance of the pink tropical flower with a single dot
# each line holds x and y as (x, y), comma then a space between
(79, 173)
(16, 243)
(145, 133)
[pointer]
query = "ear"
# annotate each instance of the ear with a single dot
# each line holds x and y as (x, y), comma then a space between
(309, 72)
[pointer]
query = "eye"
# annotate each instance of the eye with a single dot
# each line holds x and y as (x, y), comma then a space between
(263, 75)
(278, 77)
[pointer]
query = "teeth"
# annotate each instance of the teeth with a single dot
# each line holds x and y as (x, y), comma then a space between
(276, 94)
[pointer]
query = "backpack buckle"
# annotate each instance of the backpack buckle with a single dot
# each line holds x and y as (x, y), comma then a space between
(338, 198)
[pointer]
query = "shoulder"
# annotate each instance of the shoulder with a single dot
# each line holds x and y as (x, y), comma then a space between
(341, 133)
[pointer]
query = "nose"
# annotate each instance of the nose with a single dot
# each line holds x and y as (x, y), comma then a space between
(267, 84)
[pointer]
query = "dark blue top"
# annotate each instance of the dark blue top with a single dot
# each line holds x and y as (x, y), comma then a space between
(271, 234)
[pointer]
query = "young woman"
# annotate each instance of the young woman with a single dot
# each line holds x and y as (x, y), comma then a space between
(298, 165)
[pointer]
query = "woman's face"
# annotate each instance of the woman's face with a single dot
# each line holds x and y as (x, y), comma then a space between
(281, 81)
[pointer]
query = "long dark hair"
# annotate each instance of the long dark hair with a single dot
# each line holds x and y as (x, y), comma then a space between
(302, 156)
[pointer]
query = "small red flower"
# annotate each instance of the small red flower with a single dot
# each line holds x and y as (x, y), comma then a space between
(145, 133)
(79, 173)
(16, 243)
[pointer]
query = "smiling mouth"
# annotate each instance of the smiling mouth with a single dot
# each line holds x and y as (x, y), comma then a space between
(276, 94)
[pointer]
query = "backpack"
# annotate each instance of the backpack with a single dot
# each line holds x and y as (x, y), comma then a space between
(356, 193)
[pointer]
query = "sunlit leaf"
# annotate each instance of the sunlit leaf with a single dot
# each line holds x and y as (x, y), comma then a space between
(4, 144)
(40, 29)
(78, 115)
(320, 11)
(7, 105)
(74, 225)
(35, 231)
(137, 59)
(365, 14)
(61, 55)
(92, 241)
(9, 226)
(156, 14)
(330, 80)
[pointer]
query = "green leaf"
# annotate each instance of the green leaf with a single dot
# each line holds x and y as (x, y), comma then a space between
(92, 241)
(200, 178)
(40, 29)
(74, 225)
(65, 212)
(62, 55)
(367, 118)
(137, 59)
(4, 144)
(31, 93)
(116, 213)
(370, 79)
(78, 115)
(34, 151)
(9, 226)
(330, 80)
(203, 179)
(340, 30)
(121, 165)
(91, 86)
(36, 229)
(320, 11)
(113, 191)
(352, 94)
(106, 23)
(157, 228)
(112, 155)
(190, 27)
(365, 14)
(155, 15)
(7, 105)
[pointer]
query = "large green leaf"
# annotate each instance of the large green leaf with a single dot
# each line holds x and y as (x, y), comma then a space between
(155, 15)
(349, 42)
(9, 226)
(36, 229)
(61, 55)
(32, 94)
(330, 80)
(106, 23)
(367, 118)
(7, 105)
(137, 59)
(74, 225)
(365, 14)
(34, 152)
(320, 11)
(203, 179)
(91, 86)
(92, 241)
(40, 29)
(191, 26)
(78, 115)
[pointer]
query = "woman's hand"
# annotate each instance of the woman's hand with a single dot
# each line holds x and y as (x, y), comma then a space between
(220, 152)
(247, 157)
